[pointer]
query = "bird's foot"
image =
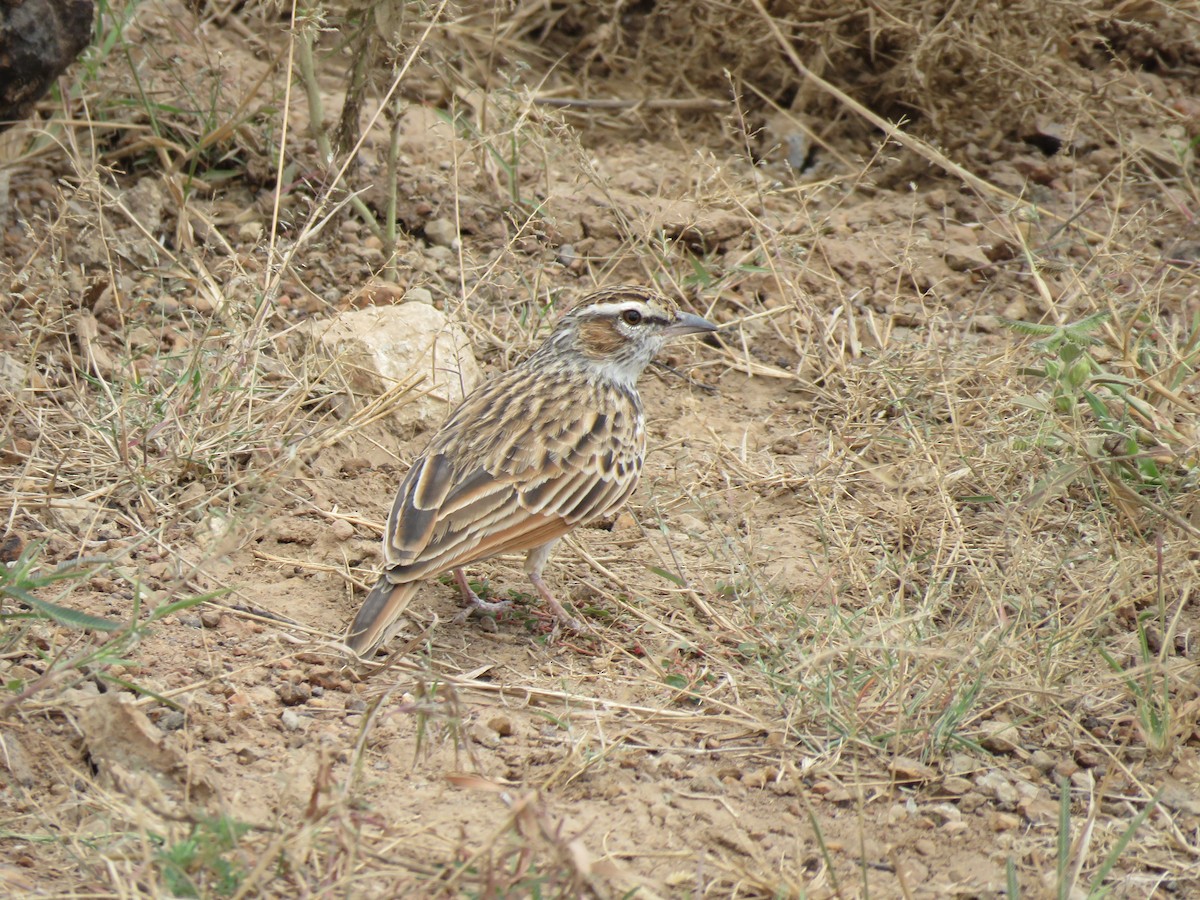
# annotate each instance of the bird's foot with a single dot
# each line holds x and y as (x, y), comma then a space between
(565, 619)
(476, 605)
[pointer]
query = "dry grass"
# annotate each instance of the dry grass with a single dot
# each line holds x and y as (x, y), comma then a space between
(920, 567)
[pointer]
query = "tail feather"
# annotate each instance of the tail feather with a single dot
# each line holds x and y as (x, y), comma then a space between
(385, 604)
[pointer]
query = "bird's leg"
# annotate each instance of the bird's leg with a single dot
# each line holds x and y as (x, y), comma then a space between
(534, 563)
(474, 601)
(565, 618)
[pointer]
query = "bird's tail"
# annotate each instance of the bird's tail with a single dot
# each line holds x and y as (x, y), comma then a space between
(382, 607)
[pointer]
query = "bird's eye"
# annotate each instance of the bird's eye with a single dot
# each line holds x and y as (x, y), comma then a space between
(631, 316)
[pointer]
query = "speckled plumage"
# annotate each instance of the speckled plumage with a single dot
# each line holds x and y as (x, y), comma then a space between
(531, 454)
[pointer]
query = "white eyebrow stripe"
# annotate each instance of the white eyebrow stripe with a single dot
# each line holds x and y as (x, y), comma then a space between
(612, 309)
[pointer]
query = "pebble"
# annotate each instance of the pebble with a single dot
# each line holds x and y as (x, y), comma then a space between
(209, 617)
(1000, 736)
(1041, 760)
(293, 694)
(1083, 780)
(171, 720)
(956, 785)
(1002, 821)
(341, 530)
(998, 786)
(442, 233)
(905, 769)
(502, 725)
(291, 720)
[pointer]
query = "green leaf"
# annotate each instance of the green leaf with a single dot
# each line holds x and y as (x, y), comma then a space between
(1099, 409)
(64, 615)
(161, 612)
(1119, 847)
(1031, 328)
(663, 573)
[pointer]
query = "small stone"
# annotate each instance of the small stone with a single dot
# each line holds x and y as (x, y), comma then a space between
(1042, 761)
(418, 295)
(171, 720)
(961, 764)
(906, 770)
(1040, 810)
(502, 725)
(999, 736)
(442, 233)
(293, 694)
(355, 705)
(1003, 821)
(1065, 769)
(291, 720)
(341, 530)
(832, 792)
(209, 617)
(996, 785)
(760, 778)
(1083, 780)
(943, 812)
(1088, 759)
(925, 846)
(482, 736)
(956, 785)
(247, 754)
(965, 258)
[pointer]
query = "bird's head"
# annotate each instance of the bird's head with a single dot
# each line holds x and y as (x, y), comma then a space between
(617, 331)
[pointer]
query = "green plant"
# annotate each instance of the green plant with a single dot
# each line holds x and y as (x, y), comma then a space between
(1149, 683)
(204, 863)
(24, 575)
(1072, 855)
(1111, 395)
(20, 578)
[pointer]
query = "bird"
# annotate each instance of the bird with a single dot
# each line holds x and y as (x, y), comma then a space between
(531, 454)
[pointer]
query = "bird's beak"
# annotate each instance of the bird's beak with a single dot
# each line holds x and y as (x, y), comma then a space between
(688, 323)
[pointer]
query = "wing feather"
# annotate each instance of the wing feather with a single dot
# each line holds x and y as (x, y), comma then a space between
(496, 479)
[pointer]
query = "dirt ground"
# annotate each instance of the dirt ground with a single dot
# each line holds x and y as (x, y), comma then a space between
(901, 607)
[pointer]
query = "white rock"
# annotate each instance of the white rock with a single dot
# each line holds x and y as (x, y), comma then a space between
(377, 348)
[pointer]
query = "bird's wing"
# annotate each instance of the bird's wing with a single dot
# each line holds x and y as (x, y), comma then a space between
(513, 476)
